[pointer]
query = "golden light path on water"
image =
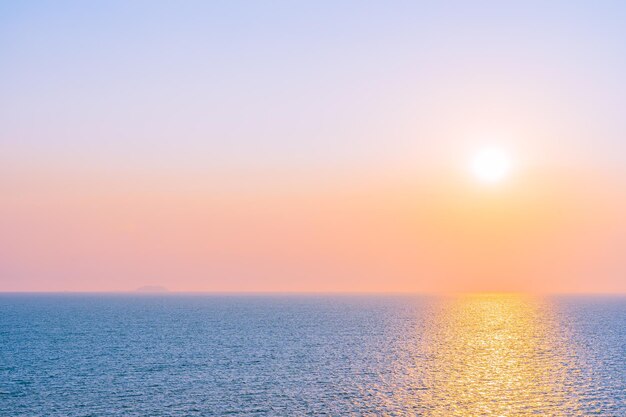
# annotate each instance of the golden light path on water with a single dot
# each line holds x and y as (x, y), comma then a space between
(494, 355)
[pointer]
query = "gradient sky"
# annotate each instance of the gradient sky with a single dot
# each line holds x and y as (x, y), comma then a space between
(249, 146)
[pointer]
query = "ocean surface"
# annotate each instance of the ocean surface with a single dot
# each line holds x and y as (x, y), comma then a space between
(292, 355)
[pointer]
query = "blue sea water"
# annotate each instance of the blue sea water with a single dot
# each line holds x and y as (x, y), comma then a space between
(291, 355)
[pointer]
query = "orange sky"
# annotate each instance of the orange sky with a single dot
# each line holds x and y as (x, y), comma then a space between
(544, 232)
(311, 146)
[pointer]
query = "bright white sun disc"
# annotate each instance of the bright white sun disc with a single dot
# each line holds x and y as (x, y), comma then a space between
(491, 165)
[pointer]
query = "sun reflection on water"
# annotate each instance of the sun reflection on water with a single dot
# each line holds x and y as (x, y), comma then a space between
(496, 355)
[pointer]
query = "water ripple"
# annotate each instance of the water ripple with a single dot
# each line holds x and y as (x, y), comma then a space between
(484, 355)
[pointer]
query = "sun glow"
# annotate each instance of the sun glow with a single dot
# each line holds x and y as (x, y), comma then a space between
(491, 165)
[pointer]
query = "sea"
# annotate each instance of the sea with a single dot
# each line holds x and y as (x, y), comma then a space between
(311, 355)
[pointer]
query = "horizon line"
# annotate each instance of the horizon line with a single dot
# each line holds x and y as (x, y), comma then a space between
(269, 293)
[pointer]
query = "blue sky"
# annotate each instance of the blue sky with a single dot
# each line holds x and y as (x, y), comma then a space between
(323, 85)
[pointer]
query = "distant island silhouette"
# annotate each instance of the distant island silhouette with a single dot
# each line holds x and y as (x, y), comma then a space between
(152, 288)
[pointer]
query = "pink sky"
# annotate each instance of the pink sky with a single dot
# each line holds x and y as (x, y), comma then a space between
(311, 146)
(545, 233)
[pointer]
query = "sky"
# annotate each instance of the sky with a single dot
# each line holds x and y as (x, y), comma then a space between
(319, 146)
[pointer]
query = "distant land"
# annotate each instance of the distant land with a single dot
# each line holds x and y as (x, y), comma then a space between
(152, 289)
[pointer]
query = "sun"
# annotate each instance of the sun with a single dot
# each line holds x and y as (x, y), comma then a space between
(491, 165)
